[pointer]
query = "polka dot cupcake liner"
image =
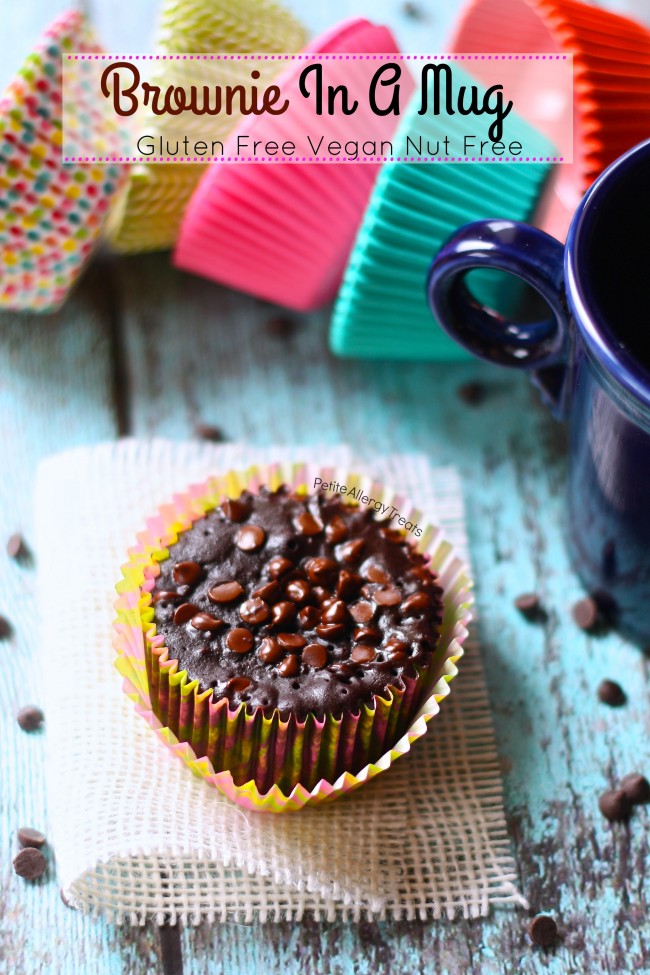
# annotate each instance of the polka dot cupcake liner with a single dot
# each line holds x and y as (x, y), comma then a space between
(267, 762)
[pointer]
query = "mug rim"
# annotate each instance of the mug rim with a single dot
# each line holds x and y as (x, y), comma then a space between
(597, 334)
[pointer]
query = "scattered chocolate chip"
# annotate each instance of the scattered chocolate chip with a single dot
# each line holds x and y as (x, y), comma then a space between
(609, 692)
(615, 805)
(362, 612)
(309, 617)
(413, 605)
(207, 431)
(166, 596)
(250, 538)
(320, 594)
(239, 640)
(393, 535)
(225, 592)
(16, 547)
(336, 612)
(348, 584)
(254, 611)
(331, 631)
(351, 551)
(184, 613)
(298, 590)
(315, 655)
(306, 524)
(397, 656)
(278, 566)
(187, 573)
(472, 393)
(206, 622)
(321, 570)
(31, 837)
(283, 612)
(375, 573)
(30, 864)
(6, 628)
(235, 510)
(290, 666)
(395, 645)
(291, 641)
(269, 592)
(388, 596)
(281, 327)
(367, 634)
(636, 787)
(270, 650)
(238, 684)
(585, 613)
(65, 899)
(530, 606)
(362, 654)
(336, 531)
(542, 930)
(30, 718)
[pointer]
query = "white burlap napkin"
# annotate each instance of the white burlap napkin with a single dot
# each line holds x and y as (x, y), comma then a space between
(137, 836)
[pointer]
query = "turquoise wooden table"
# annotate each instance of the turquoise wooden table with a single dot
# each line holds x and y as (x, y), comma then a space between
(142, 349)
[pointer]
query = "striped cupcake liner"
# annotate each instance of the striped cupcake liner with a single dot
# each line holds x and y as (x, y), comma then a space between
(265, 761)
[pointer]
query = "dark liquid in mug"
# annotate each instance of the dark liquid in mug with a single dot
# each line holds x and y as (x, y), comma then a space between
(618, 265)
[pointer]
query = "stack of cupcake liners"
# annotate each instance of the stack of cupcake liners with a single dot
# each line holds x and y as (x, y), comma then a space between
(611, 61)
(51, 213)
(283, 231)
(382, 311)
(147, 216)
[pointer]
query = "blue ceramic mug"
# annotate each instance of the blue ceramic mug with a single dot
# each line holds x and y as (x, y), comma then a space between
(590, 358)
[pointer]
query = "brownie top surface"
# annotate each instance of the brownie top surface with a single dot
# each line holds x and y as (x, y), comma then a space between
(298, 602)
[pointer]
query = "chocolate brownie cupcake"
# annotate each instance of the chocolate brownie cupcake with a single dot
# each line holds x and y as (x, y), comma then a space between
(300, 604)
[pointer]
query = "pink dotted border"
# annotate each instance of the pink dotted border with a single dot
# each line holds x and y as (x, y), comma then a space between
(313, 57)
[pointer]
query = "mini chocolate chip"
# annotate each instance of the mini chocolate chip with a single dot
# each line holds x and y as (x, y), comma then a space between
(367, 634)
(225, 592)
(472, 393)
(236, 510)
(16, 547)
(281, 327)
(331, 631)
(615, 805)
(31, 837)
(530, 606)
(237, 684)
(250, 538)
(320, 594)
(306, 524)
(362, 654)
(278, 566)
(636, 787)
(283, 612)
(393, 535)
(395, 644)
(348, 584)
(270, 650)
(351, 551)
(166, 596)
(207, 431)
(336, 612)
(30, 718)
(362, 612)
(254, 611)
(609, 692)
(315, 655)
(269, 592)
(542, 930)
(187, 573)
(291, 641)
(309, 617)
(30, 864)
(6, 628)
(374, 573)
(240, 640)
(298, 590)
(425, 575)
(290, 666)
(184, 613)
(321, 570)
(585, 613)
(416, 603)
(206, 622)
(388, 596)
(336, 531)
(397, 656)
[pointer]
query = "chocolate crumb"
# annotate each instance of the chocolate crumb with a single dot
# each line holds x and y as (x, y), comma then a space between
(472, 394)
(615, 805)
(30, 837)
(5, 628)
(530, 606)
(30, 718)
(611, 693)
(636, 787)
(281, 327)
(412, 10)
(542, 930)
(30, 864)
(65, 899)
(585, 613)
(16, 547)
(206, 431)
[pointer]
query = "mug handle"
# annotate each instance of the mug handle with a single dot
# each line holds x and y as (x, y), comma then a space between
(542, 348)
